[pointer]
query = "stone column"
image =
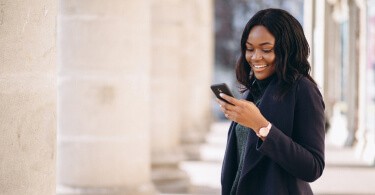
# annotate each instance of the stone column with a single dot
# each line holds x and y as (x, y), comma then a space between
(103, 107)
(27, 97)
(351, 91)
(319, 48)
(369, 113)
(166, 94)
(346, 13)
(308, 24)
(362, 76)
(196, 74)
(333, 69)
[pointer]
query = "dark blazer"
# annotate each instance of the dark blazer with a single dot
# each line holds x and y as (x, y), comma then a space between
(293, 152)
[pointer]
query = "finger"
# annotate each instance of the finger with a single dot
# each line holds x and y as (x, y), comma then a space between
(223, 109)
(222, 105)
(230, 99)
(225, 105)
(230, 115)
(221, 102)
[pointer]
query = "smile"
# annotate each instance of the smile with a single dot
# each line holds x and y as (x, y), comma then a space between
(260, 66)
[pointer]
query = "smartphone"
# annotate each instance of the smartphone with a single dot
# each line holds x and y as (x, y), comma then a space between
(221, 88)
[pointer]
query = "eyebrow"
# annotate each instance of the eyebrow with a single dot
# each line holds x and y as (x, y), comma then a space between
(265, 43)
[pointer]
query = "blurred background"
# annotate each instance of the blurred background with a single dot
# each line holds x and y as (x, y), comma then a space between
(113, 97)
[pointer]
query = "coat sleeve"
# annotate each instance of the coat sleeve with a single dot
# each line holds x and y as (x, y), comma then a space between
(302, 154)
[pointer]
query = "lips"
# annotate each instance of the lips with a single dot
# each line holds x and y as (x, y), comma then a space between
(260, 66)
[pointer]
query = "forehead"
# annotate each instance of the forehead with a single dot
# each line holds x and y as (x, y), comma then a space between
(260, 35)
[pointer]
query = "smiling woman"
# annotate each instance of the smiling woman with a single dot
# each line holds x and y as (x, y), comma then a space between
(276, 140)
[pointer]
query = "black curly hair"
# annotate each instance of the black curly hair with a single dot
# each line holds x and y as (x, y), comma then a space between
(291, 49)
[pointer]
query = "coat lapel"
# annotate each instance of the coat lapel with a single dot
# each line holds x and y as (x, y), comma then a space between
(279, 113)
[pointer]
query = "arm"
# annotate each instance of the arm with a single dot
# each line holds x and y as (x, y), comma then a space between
(303, 154)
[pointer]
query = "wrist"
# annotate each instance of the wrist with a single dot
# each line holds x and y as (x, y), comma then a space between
(263, 131)
(264, 123)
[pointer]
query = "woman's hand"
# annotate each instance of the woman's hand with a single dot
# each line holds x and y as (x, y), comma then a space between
(243, 112)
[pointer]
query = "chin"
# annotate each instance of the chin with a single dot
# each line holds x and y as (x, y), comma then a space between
(261, 77)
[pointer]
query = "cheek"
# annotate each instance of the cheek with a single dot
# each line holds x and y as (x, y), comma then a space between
(271, 59)
(247, 57)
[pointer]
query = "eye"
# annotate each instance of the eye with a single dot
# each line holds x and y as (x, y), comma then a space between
(267, 50)
(249, 49)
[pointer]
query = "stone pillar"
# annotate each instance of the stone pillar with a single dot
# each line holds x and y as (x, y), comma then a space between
(351, 89)
(333, 69)
(362, 51)
(319, 48)
(103, 108)
(166, 94)
(327, 67)
(196, 73)
(27, 97)
(337, 130)
(308, 24)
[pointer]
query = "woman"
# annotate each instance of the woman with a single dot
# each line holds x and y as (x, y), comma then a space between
(276, 140)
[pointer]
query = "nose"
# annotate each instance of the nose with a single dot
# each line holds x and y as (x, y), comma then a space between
(256, 55)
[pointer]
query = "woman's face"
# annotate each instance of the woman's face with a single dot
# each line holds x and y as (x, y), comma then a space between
(260, 52)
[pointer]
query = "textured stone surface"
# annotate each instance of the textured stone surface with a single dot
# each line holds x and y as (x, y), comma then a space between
(104, 78)
(165, 90)
(27, 97)
(196, 73)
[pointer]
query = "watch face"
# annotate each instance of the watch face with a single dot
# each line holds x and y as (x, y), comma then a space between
(263, 131)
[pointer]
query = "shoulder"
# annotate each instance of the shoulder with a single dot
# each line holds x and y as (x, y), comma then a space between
(304, 84)
(307, 90)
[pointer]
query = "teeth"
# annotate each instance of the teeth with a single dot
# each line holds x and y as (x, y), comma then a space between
(260, 66)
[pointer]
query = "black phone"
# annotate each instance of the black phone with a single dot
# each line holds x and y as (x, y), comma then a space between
(221, 88)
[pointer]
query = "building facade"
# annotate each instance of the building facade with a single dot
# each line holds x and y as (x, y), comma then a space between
(341, 36)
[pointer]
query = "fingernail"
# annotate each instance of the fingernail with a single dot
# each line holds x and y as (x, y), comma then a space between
(221, 94)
